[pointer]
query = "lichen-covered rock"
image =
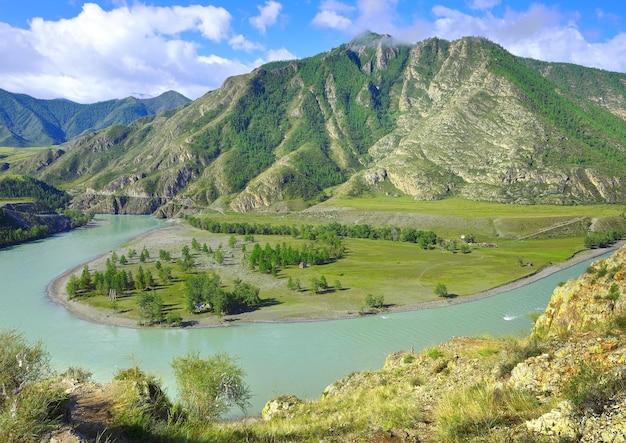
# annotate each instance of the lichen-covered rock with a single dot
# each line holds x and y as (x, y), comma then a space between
(279, 406)
(595, 299)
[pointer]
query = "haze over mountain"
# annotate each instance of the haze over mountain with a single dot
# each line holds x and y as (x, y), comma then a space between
(28, 121)
(429, 120)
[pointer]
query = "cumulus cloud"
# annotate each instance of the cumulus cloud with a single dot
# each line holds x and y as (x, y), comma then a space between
(268, 15)
(274, 55)
(372, 15)
(102, 54)
(332, 19)
(240, 43)
(483, 4)
(279, 54)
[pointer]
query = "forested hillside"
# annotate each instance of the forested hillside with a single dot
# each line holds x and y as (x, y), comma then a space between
(31, 209)
(27, 121)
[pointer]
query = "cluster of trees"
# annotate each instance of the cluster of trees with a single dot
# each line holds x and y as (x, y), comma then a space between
(270, 259)
(112, 279)
(255, 128)
(595, 240)
(12, 236)
(117, 280)
(315, 285)
(204, 292)
(425, 239)
(114, 282)
(50, 199)
(363, 99)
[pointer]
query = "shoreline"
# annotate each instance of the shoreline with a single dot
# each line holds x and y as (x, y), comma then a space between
(57, 294)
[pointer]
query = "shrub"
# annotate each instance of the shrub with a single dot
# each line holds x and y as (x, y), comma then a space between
(434, 353)
(209, 387)
(77, 373)
(375, 302)
(140, 402)
(28, 406)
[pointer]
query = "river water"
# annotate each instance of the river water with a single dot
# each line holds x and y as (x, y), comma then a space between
(293, 358)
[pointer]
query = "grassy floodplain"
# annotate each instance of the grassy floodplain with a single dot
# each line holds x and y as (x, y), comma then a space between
(403, 273)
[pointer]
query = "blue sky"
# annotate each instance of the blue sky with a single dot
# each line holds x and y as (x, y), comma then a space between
(103, 49)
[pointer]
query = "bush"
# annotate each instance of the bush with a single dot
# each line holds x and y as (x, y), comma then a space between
(375, 301)
(209, 387)
(441, 290)
(28, 406)
(77, 373)
(140, 402)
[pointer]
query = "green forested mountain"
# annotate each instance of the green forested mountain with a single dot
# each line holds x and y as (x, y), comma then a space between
(429, 120)
(27, 121)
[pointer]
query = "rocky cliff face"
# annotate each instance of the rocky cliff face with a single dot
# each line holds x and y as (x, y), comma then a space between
(592, 301)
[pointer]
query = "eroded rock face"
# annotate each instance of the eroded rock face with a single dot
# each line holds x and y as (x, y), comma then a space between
(596, 298)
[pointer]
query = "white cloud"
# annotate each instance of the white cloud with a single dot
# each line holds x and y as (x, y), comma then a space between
(279, 54)
(274, 55)
(336, 6)
(102, 54)
(268, 15)
(483, 4)
(240, 43)
(541, 32)
(372, 15)
(331, 19)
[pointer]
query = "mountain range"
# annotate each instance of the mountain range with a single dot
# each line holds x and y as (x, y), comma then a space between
(28, 121)
(429, 120)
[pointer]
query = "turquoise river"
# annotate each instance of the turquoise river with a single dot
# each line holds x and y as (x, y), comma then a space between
(290, 358)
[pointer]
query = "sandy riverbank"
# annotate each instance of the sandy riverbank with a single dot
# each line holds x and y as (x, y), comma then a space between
(181, 234)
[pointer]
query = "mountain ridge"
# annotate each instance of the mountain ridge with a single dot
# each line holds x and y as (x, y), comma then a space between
(430, 120)
(28, 121)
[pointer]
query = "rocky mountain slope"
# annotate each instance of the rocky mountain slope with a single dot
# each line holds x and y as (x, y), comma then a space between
(27, 121)
(430, 120)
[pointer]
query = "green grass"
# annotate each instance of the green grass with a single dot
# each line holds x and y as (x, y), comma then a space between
(16, 200)
(12, 155)
(458, 207)
(476, 411)
(403, 273)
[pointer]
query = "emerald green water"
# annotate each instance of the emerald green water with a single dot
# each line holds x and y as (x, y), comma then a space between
(293, 358)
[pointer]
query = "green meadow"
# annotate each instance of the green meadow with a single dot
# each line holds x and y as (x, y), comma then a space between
(11, 155)
(511, 242)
